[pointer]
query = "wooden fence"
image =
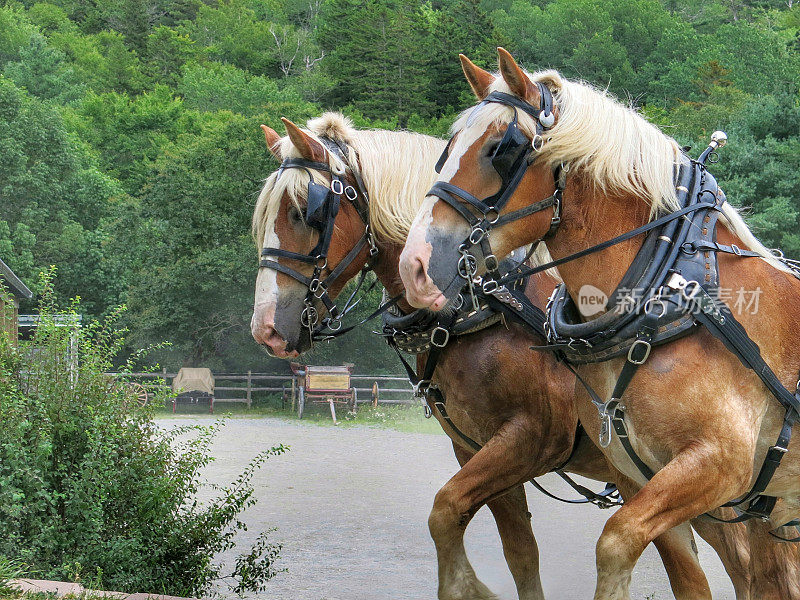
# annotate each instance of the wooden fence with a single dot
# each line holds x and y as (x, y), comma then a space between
(240, 387)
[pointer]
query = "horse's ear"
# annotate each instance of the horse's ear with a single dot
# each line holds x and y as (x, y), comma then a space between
(478, 79)
(309, 148)
(515, 77)
(273, 141)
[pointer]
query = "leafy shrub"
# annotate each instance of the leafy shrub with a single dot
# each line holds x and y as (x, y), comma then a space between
(90, 487)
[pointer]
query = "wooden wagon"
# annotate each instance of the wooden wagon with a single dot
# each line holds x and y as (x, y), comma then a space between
(324, 385)
(193, 386)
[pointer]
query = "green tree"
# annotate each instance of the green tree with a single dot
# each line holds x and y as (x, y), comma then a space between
(380, 65)
(43, 72)
(194, 263)
(54, 199)
(215, 86)
(458, 27)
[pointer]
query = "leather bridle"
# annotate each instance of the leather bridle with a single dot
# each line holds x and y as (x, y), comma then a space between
(322, 207)
(513, 156)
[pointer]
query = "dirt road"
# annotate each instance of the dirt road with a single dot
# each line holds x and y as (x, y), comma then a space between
(351, 508)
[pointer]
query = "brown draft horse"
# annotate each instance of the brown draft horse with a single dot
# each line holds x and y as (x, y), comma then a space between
(694, 413)
(526, 431)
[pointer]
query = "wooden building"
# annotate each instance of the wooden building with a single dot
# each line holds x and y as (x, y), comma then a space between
(9, 301)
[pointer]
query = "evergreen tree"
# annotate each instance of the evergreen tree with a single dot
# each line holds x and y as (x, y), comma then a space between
(375, 52)
(459, 26)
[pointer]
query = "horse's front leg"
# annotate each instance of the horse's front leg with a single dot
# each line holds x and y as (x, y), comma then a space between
(499, 466)
(513, 522)
(678, 553)
(775, 565)
(689, 485)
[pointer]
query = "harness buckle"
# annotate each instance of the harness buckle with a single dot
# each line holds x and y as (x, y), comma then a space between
(441, 343)
(337, 187)
(587, 344)
(647, 348)
(476, 235)
(736, 250)
(350, 193)
(321, 291)
(490, 286)
(313, 285)
(490, 262)
(780, 449)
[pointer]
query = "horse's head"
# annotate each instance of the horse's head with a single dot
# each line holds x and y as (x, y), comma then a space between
(490, 173)
(309, 226)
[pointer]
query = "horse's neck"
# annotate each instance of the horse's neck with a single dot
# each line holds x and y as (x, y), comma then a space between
(591, 217)
(387, 271)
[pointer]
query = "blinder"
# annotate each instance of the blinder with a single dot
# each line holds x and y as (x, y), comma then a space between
(512, 150)
(320, 205)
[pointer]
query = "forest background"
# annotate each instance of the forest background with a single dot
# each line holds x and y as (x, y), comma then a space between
(131, 157)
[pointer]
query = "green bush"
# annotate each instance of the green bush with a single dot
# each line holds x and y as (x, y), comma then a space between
(91, 488)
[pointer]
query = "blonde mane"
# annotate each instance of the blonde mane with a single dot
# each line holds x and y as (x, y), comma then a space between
(610, 143)
(395, 193)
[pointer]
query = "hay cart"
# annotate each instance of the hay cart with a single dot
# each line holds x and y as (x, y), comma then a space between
(193, 387)
(324, 385)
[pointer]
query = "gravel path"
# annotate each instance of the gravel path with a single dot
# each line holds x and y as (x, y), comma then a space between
(351, 508)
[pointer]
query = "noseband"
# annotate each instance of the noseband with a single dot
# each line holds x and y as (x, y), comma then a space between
(514, 155)
(322, 208)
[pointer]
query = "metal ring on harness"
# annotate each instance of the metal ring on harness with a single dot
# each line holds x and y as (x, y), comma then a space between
(350, 193)
(467, 266)
(334, 324)
(309, 316)
(441, 342)
(337, 187)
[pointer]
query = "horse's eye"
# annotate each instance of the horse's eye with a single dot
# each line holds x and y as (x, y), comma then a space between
(295, 216)
(492, 149)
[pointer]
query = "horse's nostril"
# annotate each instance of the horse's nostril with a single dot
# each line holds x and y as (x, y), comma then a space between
(418, 272)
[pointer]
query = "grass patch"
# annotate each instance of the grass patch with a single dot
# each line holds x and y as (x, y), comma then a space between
(406, 418)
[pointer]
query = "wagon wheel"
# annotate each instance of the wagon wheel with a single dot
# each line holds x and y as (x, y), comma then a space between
(301, 402)
(140, 392)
